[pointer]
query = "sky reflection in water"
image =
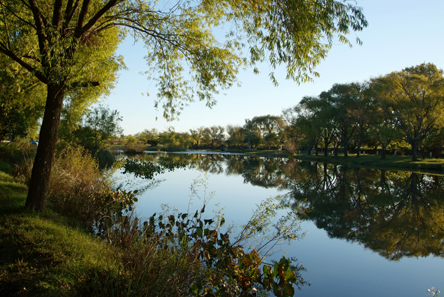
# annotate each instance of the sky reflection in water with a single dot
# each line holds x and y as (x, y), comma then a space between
(341, 257)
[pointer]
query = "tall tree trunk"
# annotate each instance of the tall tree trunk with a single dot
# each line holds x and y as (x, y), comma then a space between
(39, 184)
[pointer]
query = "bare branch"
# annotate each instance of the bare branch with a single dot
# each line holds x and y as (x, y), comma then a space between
(57, 14)
(82, 16)
(81, 30)
(40, 28)
(69, 13)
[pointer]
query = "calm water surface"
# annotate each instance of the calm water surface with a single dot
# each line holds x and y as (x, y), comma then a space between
(369, 232)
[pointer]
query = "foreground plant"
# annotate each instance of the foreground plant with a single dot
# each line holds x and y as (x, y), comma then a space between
(194, 256)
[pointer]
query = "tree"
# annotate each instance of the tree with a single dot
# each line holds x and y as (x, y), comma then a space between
(196, 135)
(236, 135)
(304, 124)
(345, 98)
(150, 137)
(415, 98)
(383, 127)
(268, 126)
(215, 134)
(62, 41)
(98, 126)
(321, 114)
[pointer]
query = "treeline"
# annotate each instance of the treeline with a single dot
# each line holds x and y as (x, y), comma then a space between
(399, 110)
(259, 132)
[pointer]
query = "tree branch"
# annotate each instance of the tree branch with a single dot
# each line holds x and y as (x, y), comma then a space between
(81, 30)
(22, 63)
(82, 16)
(69, 12)
(57, 14)
(18, 17)
(40, 28)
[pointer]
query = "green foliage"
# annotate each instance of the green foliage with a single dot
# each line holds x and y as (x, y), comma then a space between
(18, 152)
(43, 255)
(214, 135)
(21, 101)
(236, 135)
(433, 291)
(150, 137)
(252, 138)
(172, 140)
(79, 190)
(379, 112)
(216, 265)
(98, 126)
(414, 97)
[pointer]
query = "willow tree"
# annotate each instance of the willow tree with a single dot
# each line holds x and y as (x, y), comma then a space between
(56, 40)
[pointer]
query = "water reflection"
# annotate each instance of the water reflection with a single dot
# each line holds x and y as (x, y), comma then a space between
(396, 214)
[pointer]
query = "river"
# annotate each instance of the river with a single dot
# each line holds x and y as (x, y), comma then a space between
(367, 232)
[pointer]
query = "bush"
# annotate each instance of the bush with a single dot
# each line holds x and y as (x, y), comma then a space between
(185, 255)
(78, 189)
(21, 155)
(105, 159)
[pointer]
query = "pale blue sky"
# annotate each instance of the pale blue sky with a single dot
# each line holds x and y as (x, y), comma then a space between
(401, 33)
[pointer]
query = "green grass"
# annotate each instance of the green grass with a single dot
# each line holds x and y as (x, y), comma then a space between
(43, 254)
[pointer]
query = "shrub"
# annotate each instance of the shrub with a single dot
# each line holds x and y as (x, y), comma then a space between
(105, 159)
(21, 155)
(186, 255)
(78, 189)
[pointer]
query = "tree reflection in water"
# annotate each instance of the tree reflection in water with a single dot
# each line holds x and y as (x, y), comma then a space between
(397, 214)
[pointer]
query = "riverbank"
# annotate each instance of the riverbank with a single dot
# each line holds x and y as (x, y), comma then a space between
(405, 163)
(45, 254)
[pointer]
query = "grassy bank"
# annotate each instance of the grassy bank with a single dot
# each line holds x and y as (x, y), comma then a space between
(44, 254)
